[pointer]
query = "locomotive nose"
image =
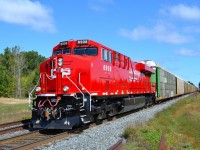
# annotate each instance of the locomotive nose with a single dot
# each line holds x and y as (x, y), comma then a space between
(54, 73)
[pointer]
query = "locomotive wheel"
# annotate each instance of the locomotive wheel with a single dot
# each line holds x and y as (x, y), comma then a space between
(110, 116)
(98, 122)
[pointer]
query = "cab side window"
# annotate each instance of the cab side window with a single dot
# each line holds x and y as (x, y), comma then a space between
(106, 55)
(110, 56)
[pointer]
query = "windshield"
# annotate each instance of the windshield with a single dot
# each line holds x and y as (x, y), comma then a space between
(90, 51)
(61, 51)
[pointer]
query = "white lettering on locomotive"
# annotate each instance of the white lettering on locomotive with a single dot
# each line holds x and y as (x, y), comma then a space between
(65, 72)
(107, 68)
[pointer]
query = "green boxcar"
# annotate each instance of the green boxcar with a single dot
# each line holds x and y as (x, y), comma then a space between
(156, 79)
(166, 83)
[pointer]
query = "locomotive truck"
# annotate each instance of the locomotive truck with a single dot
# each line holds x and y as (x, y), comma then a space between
(84, 81)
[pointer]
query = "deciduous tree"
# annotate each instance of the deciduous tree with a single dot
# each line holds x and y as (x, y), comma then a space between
(19, 72)
(19, 64)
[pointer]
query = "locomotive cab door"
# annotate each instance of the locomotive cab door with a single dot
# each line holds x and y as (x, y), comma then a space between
(107, 78)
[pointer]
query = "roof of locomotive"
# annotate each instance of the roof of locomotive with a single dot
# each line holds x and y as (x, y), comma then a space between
(73, 43)
(85, 42)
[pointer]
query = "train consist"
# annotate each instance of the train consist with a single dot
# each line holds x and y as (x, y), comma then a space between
(84, 81)
(167, 84)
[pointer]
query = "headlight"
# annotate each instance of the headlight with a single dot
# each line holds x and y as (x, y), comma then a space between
(65, 88)
(38, 89)
(60, 61)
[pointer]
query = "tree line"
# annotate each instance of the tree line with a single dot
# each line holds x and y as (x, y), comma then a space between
(19, 72)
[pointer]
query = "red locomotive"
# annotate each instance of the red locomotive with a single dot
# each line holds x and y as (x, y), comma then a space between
(85, 81)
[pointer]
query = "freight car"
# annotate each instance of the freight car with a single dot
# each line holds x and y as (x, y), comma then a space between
(168, 85)
(84, 81)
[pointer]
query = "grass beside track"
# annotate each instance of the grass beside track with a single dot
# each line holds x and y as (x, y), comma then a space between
(13, 110)
(180, 123)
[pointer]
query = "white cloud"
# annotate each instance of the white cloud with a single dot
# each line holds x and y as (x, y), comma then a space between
(97, 8)
(100, 5)
(183, 12)
(137, 33)
(187, 52)
(28, 13)
(159, 32)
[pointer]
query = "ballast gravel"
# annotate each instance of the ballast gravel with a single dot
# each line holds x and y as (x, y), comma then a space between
(104, 136)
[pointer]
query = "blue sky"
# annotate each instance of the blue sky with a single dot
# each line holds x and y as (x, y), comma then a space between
(165, 31)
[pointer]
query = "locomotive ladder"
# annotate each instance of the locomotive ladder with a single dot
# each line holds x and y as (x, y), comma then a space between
(30, 96)
(84, 116)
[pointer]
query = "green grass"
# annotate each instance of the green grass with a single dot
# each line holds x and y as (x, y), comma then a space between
(14, 112)
(180, 123)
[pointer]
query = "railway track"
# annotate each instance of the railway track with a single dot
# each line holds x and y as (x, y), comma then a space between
(15, 126)
(32, 139)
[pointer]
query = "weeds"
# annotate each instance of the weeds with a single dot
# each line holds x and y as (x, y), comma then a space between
(180, 123)
(14, 112)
